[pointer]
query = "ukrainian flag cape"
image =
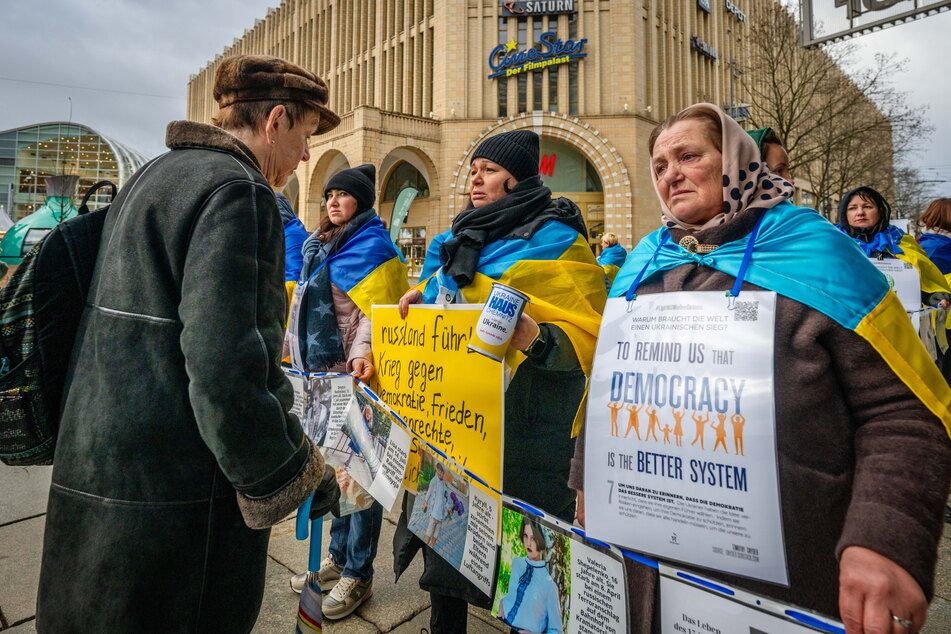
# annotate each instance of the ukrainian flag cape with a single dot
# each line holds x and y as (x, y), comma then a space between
(800, 255)
(369, 268)
(611, 260)
(555, 268)
(932, 279)
(906, 249)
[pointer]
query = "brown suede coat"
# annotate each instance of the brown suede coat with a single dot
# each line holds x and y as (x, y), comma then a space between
(861, 461)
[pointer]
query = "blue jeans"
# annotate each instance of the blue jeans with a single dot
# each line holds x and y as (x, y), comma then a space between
(353, 541)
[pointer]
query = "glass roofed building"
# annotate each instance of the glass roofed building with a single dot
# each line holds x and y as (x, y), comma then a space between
(30, 153)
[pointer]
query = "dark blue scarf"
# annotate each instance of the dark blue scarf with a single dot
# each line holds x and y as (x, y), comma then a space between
(319, 336)
(885, 241)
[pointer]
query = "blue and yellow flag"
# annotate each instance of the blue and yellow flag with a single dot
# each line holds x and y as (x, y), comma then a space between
(369, 268)
(839, 281)
(555, 268)
(611, 260)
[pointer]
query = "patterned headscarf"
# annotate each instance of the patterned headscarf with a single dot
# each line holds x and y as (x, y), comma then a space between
(747, 182)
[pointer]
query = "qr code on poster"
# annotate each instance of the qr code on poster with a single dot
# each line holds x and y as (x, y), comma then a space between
(746, 311)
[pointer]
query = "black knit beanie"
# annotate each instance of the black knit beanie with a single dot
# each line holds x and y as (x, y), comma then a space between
(359, 182)
(516, 151)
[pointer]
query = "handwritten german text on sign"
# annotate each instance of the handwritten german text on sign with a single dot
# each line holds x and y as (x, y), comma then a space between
(445, 393)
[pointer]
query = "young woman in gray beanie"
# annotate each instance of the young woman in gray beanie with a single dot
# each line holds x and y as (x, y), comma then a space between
(514, 233)
(350, 246)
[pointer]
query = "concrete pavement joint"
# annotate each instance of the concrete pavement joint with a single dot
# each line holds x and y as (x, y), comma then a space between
(22, 519)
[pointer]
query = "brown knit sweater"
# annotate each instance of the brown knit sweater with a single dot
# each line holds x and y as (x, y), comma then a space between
(861, 461)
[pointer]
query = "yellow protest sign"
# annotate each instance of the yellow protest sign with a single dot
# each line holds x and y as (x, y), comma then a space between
(448, 395)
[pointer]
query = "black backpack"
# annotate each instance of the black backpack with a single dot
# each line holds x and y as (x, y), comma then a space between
(40, 308)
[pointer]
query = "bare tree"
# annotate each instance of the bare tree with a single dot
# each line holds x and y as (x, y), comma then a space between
(912, 193)
(843, 126)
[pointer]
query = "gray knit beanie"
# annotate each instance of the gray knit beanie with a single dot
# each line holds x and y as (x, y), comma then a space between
(516, 151)
(358, 182)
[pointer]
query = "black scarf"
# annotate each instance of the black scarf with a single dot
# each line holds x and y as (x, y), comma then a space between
(319, 336)
(517, 215)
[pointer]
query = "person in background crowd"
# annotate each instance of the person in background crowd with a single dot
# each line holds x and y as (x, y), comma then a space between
(936, 242)
(772, 152)
(935, 239)
(349, 264)
(177, 449)
(512, 232)
(862, 451)
(865, 216)
(612, 256)
(294, 236)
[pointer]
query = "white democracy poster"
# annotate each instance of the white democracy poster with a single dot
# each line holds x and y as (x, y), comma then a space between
(680, 451)
(905, 281)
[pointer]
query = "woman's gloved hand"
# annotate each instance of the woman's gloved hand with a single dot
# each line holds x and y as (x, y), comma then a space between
(327, 495)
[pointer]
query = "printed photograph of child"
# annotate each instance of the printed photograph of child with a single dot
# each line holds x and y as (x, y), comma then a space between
(441, 509)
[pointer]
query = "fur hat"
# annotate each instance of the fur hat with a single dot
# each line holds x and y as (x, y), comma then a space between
(243, 78)
(358, 182)
(516, 151)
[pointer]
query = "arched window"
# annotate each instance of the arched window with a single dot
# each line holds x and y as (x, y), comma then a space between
(405, 175)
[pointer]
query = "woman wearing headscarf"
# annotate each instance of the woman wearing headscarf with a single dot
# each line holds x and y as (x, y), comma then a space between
(863, 458)
(513, 232)
(349, 264)
(865, 216)
(772, 152)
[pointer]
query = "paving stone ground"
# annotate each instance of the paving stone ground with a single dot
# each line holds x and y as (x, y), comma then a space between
(395, 606)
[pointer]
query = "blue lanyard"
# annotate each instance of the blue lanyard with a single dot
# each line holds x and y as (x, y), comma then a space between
(631, 294)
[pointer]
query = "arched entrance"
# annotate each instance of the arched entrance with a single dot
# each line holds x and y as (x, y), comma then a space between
(568, 173)
(408, 167)
(331, 162)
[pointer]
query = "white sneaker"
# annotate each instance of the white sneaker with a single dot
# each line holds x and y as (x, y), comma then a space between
(346, 596)
(327, 576)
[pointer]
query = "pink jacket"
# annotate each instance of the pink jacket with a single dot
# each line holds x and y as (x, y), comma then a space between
(355, 330)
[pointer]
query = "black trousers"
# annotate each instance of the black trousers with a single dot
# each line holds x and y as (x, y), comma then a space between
(448, 615)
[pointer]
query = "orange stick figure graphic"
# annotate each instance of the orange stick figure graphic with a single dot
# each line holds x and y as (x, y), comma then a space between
(666, 431)
(721, 433)
(678, 425)
(632, 421)
(653, 421)
(738, 421)
(700, 421)
(615, 407)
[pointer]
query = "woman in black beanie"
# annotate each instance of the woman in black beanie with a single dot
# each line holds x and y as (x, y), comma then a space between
(512, 232)
(333, 332)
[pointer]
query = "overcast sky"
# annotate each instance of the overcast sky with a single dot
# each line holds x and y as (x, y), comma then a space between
(150, 48)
